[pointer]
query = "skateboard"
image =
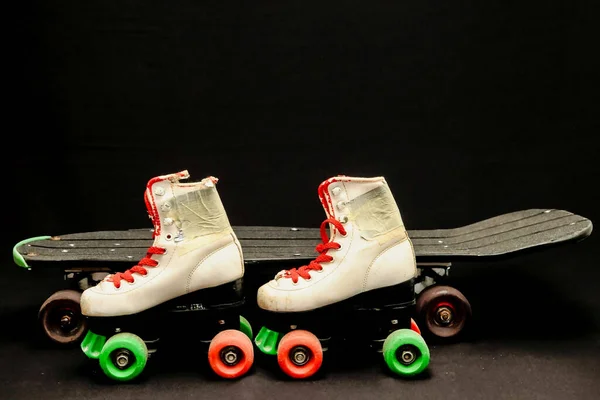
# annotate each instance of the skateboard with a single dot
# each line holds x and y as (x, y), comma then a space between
(442, 310)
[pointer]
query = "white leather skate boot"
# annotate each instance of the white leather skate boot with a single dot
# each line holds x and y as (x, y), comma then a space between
(368, 248)
(194, 248)
(361, 285)
(188, 288)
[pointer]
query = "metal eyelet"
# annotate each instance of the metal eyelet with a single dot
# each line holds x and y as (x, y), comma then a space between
(169, 236)
(341, 205)
(159, 191)
(336, 190)
(343, 219)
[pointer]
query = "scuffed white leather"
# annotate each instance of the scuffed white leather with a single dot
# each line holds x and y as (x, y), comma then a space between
(210, 272)
(397, 260)
(195, 258)
(359, 265)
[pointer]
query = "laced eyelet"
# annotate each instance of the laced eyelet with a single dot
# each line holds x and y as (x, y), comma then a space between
(339, 248)
(326, 244)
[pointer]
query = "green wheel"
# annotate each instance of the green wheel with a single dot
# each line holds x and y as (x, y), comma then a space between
(246, 327)
(123, 357)
(405, 352)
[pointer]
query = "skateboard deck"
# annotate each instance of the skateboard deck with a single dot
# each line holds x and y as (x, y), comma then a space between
(443, 311)
(501, 235)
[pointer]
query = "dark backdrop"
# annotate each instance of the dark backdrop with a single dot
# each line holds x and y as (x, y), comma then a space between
(469, 110)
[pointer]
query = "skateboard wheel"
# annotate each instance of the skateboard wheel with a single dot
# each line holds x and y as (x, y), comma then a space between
(123, 357)
(405, 352)
(246, 327)
(299, 354)
(444, 310)
(231, 354)
(60, 317)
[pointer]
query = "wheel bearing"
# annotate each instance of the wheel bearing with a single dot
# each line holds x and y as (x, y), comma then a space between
(123, 358)
(407, 354)
(66, 321)
(444, 315)
(230, 355)
(300, 355)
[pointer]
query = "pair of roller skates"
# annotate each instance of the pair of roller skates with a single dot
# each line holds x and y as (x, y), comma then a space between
(190, 286)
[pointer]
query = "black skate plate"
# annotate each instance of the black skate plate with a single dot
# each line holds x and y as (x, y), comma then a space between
(503, 235)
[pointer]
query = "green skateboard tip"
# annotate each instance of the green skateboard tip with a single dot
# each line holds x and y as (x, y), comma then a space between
(18, 257)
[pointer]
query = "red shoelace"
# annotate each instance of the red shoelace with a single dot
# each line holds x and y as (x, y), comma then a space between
(139, 268)
(322, 249)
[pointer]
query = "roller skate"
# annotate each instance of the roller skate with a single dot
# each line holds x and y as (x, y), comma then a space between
(360, 287)
(188, 288)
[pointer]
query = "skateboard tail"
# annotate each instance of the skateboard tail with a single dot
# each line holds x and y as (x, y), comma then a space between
(18, 257)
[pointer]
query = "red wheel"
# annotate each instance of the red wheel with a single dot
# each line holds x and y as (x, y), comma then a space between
(414, 326)
(444, 310)
(300, 354)
(230, 354)
(60, 317)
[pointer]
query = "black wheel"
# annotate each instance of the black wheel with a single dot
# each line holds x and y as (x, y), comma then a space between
(60, 317)
(443, 311)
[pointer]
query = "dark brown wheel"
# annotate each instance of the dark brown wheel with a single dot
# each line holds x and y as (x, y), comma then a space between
(443, 311)
(60, 317)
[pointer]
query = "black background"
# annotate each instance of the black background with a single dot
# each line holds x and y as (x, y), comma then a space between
(468, 109)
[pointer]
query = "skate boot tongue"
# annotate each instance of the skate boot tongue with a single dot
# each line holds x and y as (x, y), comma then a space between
(321, 248)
